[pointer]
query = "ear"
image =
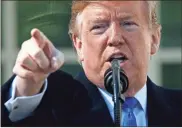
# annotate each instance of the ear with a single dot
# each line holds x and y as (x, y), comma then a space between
(156, 37)
(78, 46)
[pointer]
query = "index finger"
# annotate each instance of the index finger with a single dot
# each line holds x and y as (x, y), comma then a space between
(43, 42)
(37, 35)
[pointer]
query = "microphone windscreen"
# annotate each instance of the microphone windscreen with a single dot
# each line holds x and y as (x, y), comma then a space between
(108, 81)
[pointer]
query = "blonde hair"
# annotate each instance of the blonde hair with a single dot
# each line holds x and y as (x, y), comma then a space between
(79, 5)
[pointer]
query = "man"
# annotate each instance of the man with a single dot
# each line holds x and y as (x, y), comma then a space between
(100, 31)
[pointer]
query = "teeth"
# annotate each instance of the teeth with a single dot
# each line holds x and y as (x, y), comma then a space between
(117, 56)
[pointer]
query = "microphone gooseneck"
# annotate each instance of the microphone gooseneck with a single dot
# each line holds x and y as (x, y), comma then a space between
(116, 83)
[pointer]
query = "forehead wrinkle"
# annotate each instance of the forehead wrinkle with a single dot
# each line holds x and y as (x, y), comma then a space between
(116, 12)
(96, 14)
(99, 19)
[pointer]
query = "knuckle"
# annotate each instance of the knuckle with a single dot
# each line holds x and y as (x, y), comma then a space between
(37, 54)
(44, 64)
(22, 58)
(24, 44)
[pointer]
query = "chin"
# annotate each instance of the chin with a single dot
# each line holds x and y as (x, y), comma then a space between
(130, 92)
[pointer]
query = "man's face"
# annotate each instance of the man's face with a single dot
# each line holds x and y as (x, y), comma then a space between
(112, 30)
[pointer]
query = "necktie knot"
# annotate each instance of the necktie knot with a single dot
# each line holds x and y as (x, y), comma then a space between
(130, 102)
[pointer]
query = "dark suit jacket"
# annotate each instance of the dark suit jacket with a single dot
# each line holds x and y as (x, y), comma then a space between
(77, 102)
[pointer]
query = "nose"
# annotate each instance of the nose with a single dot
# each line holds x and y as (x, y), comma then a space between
(115, 36)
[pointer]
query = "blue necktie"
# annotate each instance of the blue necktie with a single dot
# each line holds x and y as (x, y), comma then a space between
(129, 119)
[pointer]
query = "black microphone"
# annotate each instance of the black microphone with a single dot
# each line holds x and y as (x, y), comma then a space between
(116, 82)
(113, 75)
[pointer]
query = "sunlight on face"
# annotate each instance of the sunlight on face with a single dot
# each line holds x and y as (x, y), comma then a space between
(115, 28)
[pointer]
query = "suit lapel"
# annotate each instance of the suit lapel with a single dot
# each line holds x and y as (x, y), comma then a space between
(98, 114)
(158, 110)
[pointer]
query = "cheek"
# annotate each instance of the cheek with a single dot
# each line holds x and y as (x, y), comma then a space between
(139, 47)
(140, 44)
(94, 47)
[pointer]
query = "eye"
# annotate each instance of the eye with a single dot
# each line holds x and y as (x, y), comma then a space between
(129, 25)
(99, 28)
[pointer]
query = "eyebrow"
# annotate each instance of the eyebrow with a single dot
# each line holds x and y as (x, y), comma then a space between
(102, 19)
(99, 19)
(125, 16)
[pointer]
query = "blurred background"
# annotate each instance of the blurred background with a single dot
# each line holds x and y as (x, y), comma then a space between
(52, 17)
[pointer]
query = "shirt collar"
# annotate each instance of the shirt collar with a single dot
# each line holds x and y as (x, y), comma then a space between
(141, 96)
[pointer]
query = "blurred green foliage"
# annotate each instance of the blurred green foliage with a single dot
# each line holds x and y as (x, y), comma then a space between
(172, 74)
(171, 20)
(51, 17)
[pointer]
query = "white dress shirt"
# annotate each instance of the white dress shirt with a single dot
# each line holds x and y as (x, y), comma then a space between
(140, 110)
(21, 107)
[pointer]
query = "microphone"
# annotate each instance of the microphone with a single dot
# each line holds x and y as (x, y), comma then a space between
(115, 75)
(116, 83)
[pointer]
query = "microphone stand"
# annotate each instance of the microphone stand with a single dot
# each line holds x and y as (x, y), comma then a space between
(118, 98)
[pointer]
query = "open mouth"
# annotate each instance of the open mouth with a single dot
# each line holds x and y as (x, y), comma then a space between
(120, 57)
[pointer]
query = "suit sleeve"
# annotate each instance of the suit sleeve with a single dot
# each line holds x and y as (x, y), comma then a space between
(63, 98)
